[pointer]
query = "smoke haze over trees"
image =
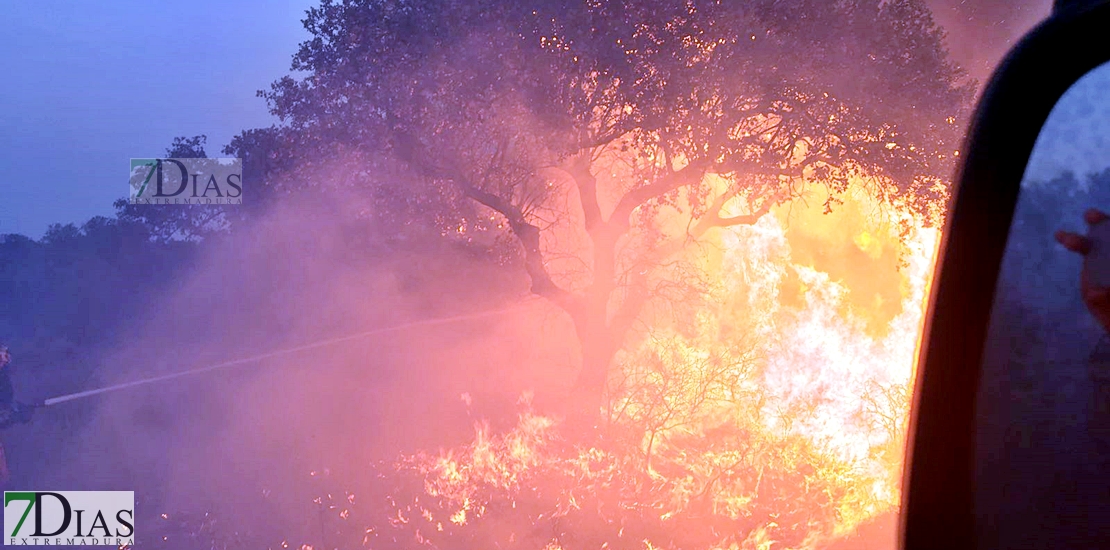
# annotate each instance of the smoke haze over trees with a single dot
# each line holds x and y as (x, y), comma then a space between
(980, 32)
(445, 157)
(515, 117)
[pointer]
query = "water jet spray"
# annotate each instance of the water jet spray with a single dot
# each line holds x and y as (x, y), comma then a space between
(278, 353)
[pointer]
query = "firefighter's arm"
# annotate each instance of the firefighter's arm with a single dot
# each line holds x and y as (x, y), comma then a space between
(22, 412)
(8, 419)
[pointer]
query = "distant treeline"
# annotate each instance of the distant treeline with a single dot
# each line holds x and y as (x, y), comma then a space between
(1035, 394)
(73, 296)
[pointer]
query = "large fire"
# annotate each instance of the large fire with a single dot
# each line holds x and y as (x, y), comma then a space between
(723, 204)
(767, 410)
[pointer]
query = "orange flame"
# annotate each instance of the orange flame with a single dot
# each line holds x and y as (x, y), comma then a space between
(771, 414)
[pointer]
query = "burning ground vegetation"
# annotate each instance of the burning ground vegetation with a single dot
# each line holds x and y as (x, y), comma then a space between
(779, 427)
(766, 409)
(733, 203)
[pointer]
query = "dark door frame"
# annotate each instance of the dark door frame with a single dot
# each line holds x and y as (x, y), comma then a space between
(938, 486)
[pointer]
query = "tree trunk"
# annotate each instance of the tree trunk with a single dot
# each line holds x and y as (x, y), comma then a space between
(599, 346)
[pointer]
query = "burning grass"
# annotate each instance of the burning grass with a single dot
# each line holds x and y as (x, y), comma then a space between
(531, 488)
(743, 423)
(764, 410)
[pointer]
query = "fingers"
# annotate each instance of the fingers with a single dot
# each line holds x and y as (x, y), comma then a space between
(1094, 216)
(1097, 300)
(1078, 243)
(1073, 242)
(1097, 297)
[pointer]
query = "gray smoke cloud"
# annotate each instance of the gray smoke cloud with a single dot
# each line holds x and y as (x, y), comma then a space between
(980, 32)
(221, 441)
(241, 443)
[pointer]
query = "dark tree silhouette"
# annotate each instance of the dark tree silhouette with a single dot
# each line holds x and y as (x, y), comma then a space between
(516, 117)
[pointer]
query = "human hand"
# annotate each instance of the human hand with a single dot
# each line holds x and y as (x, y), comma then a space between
(1096, 298)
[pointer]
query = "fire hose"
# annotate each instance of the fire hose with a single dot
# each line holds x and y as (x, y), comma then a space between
(277, 353)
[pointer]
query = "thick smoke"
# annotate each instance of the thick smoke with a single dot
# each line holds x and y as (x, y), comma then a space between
(980, 32)
(241, 442)
(227, 440)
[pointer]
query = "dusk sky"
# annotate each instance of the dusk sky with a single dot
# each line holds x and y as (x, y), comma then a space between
(89, 85)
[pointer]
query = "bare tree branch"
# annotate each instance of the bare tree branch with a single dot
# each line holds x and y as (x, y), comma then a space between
(579, 169)
(529, 237)
(690, 174)
(713, 218)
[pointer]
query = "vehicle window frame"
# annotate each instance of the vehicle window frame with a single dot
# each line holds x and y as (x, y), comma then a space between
(938, 491)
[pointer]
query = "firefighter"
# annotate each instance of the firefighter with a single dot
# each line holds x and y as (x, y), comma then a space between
(11, 411)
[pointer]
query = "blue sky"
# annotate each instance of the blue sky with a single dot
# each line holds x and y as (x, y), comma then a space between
(88, 85)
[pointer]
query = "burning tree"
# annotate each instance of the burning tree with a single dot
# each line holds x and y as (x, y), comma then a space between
(600, 146)
(578, 122)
